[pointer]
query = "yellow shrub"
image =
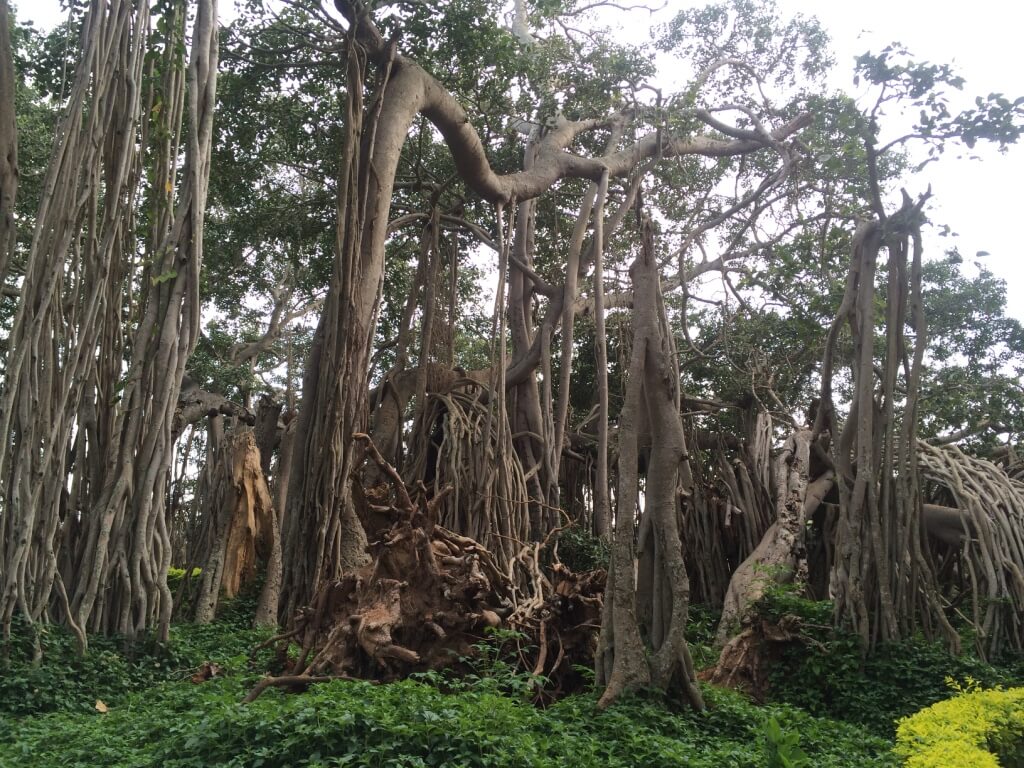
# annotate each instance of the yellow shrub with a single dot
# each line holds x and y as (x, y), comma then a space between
(176, 574)
(970, 729)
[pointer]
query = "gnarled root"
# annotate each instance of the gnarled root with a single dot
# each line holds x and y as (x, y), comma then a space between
(427, 596)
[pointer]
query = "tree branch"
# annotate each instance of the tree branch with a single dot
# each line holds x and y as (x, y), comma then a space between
(415, 91)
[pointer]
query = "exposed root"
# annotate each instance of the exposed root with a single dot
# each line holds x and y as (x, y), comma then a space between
(564, 628)
(428, 595)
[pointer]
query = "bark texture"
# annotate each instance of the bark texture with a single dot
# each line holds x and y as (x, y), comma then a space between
(8, 143)
(94, 363)
(781, 556)
(323, 537)
(643, 632)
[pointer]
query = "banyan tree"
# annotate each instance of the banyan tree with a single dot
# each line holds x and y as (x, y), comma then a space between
(632, 375)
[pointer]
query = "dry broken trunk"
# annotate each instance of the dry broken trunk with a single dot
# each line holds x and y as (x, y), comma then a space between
(243, 524)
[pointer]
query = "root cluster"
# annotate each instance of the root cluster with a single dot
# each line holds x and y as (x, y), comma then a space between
(429, 595)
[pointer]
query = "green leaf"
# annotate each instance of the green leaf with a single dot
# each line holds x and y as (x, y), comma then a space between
(168, 275)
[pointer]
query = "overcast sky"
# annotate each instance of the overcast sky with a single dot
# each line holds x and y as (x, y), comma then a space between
(980, 200)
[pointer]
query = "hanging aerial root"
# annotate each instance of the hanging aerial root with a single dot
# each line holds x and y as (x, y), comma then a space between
(981, 514)
(426, 598)
(455, 444)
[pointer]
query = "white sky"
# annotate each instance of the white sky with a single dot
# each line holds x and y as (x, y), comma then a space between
(980, 200)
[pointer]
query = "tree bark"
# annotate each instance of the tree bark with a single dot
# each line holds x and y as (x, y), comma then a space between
(655, 607)
(8, 143)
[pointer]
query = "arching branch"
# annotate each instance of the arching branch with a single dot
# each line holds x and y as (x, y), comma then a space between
(413, 90)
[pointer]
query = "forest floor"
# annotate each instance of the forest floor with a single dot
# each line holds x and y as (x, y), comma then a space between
(181, 706)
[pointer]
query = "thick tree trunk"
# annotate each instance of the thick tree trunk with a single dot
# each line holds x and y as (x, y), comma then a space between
(882, 583)
(655, 606)
(323, 536)
(68, 313)
(268, 433)
(122, 576)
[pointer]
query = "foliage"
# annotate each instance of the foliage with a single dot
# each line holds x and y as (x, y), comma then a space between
(701, 628)
(925, 87)
(702, 624)
(977, 353)
(827, 675)
(176, 575)
(413, 724)
(492, 666)
(581, 550)
(782, 748)
(36, 118)
(975, 727)
(111, 670)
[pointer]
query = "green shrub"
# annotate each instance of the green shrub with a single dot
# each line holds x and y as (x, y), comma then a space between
(581, 550)
(701, 625)
(181, 725)
(827, 675)
(157, 717)
(981, 728)
(112, 669)
(176, 575)
(175, 578)
(782, 748)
